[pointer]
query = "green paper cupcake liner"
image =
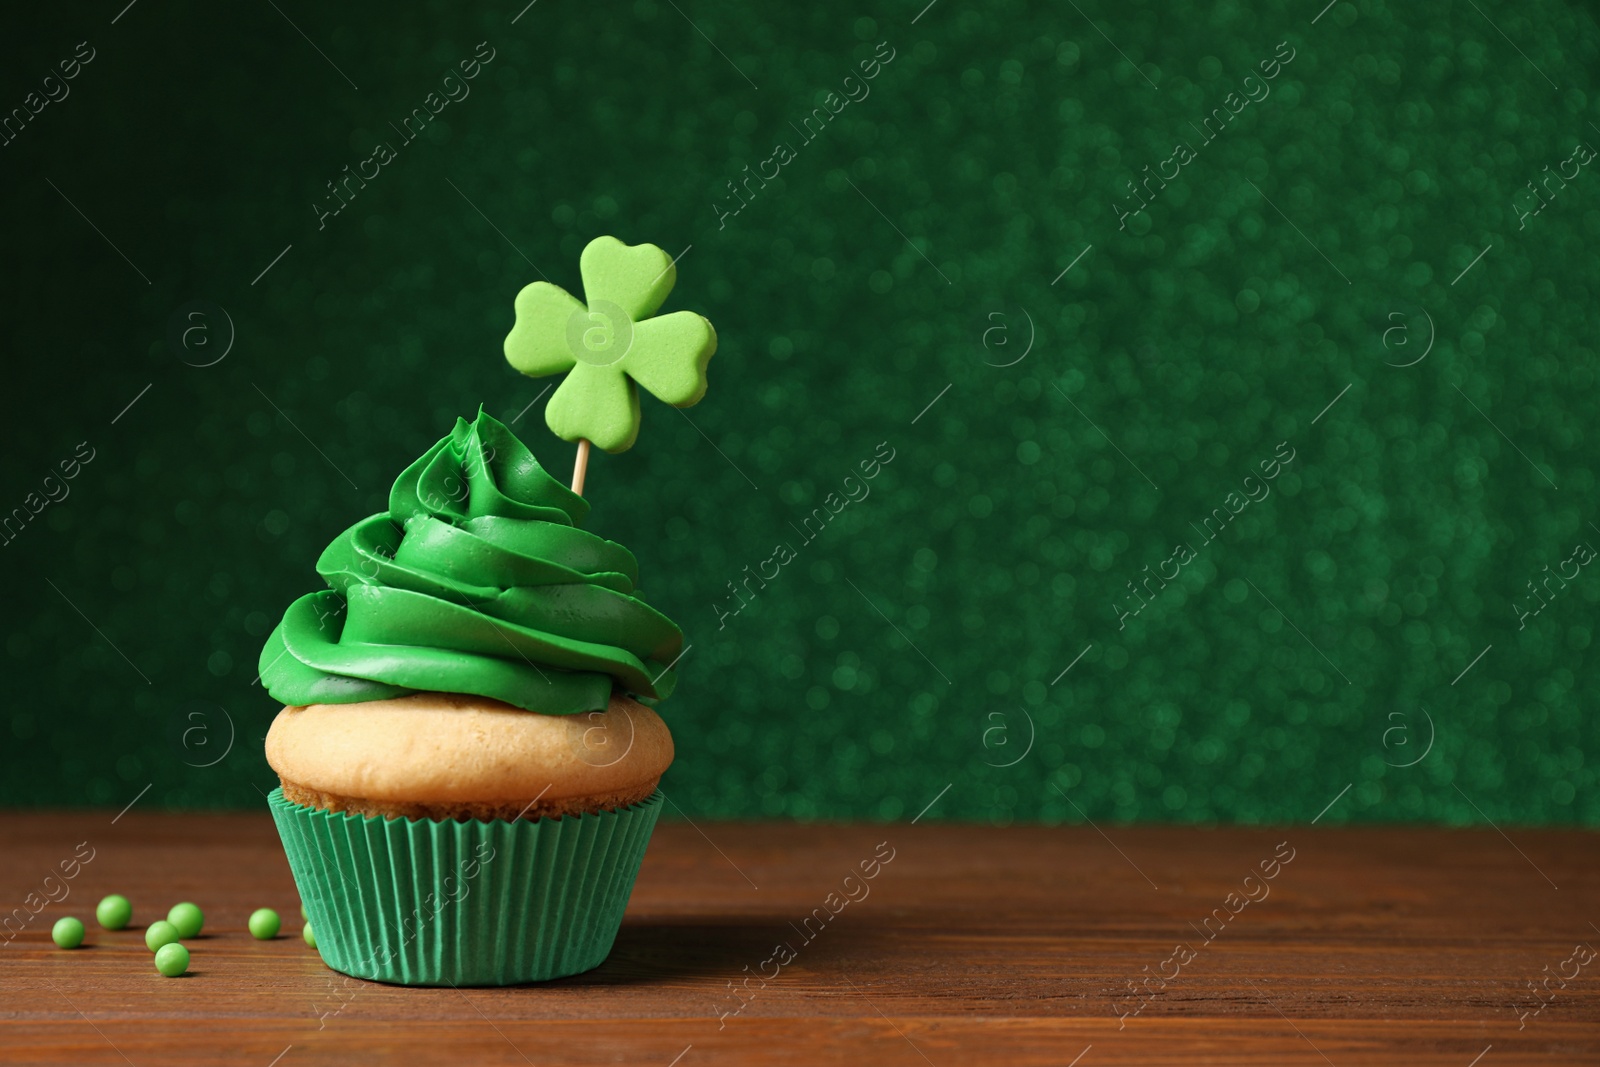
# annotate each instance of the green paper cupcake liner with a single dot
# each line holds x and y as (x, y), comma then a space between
(475, 903)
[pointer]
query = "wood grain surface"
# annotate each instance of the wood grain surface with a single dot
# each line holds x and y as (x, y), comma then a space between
(973, 945)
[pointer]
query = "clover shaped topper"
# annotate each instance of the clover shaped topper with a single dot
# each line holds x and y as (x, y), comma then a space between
(611, 345)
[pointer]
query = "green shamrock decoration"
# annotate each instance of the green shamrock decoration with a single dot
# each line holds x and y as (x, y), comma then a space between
(612, 345)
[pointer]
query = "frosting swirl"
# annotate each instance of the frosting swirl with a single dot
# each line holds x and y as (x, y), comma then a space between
(476, 580)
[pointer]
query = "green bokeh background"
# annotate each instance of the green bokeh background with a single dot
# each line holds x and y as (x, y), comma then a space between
(1319, 642)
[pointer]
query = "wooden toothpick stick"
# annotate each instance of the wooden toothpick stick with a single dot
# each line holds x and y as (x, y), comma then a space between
(580, 467)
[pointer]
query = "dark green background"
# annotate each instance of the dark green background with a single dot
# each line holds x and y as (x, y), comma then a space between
(996, 141)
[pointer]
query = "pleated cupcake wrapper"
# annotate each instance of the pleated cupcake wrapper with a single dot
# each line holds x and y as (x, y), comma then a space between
(481, 903)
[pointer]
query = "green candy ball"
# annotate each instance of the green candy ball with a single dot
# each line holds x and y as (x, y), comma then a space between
(188, 918)
(172, 960)
(311, 938)
(114, 912)
(159, 935)
(264, 924)
(67, 932)
(303, 914)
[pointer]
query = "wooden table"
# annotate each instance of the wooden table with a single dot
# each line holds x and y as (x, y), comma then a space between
(973, 945)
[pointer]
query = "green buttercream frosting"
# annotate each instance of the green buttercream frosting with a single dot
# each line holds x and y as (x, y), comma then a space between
(476, 580)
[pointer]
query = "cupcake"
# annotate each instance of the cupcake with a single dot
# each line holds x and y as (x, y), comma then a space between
(468, 752)
(468, 772)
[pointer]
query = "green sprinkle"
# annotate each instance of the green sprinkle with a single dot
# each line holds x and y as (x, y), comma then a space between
(172, 960)
(114, 912)
(160, 934)
(264, 924)
(311, 938)
(188, 918)
(67, 932)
